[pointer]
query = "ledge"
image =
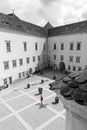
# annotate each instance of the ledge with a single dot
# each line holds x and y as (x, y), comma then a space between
(78, 111)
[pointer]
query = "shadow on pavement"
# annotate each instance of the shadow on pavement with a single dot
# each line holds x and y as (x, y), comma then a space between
(42, 106)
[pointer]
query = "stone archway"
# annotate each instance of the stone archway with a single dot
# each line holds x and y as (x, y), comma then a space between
(61, 66)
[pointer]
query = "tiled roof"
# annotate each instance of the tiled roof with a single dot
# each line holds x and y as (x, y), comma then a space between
(79, 27)
(48, 25)
(76, 89)
(12, 22)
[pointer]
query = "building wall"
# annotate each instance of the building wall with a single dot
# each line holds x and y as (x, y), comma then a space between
(66, 39)
(17, 51)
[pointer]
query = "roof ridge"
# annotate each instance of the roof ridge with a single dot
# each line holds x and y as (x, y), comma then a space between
(70, 24)
(11, 21)
(78, 27)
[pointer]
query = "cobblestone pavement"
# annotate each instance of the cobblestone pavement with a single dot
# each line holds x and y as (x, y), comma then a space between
(20, 108)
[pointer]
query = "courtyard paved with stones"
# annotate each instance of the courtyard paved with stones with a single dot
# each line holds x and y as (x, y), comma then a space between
(20, 108)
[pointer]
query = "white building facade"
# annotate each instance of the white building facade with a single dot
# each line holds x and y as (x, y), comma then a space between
(68, 45)
(15, 59)
(20, 51)
(24, 45)
(70, 49)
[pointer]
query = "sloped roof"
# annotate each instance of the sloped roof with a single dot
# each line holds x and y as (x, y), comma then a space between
(12, 22)
(79, 27)
(48, 26)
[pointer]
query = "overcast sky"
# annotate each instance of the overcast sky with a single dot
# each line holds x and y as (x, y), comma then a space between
(57, 12)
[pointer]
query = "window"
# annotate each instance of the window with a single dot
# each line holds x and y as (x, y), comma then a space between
(14, 63)
(78, 59)
(85, 67)
(19, 75)
(78, 45)
(5, 81)
(38, 58)
(8, 46)
(23, 74)
(61, 57)
(36, 46)
(43, 58)
(33, 58)
(27, 60)
(25, 46)
(54, 46)
(54, 57)
(71, 58)
(69, 67)
(6, 65)
(79, 68)
(74, 68)
(10, 80)
(62, 46)
(71, 46)
(20, 62)
(44, 46)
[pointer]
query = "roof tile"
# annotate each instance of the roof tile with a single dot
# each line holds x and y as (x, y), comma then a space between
(12, 22)
(79, 27)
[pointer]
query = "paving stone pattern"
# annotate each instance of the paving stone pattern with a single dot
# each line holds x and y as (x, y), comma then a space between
(20, 108)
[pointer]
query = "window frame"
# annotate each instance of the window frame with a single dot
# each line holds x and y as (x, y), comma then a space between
(23, 73)
(6, 65)
(25, 46)
(74, 68)
(78, 47)
(39, 58)
(54, 57)
(33, 58)
(61, 57)
(14, 62)
(36, 46)
(62, 46)
(69, 67)
(5, 81)
(71, 46)
(79, 68)
(44, 46)
(43, 58)
(71, 58)
(54, 46)
(78, 59)
(8, 46)
(27, 60)
(21, 61)
(19, 75)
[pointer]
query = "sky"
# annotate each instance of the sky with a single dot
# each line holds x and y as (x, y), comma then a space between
(57, 12)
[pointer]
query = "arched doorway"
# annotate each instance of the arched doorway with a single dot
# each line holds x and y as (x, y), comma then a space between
(30, 71)
(61, 66)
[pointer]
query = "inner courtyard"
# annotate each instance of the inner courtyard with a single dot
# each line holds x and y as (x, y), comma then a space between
(20, 106)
